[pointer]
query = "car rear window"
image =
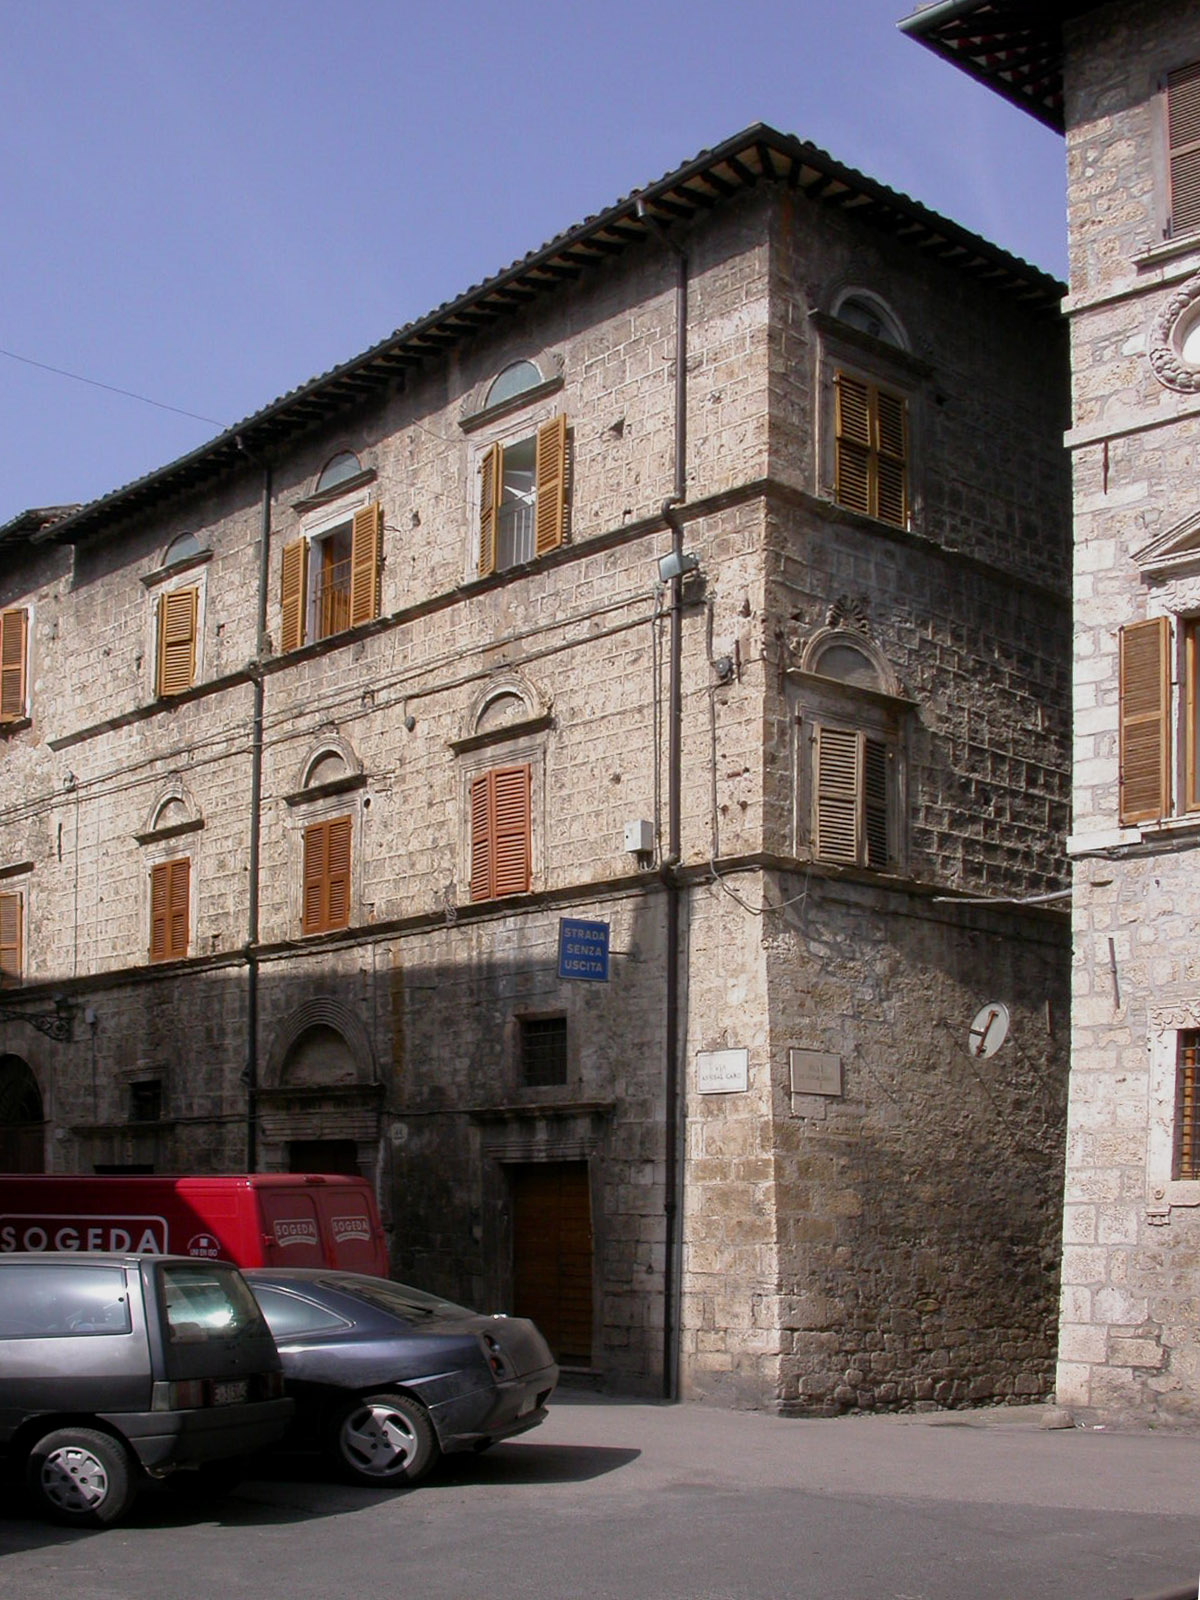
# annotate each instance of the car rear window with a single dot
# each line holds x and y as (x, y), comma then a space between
(398, 1298)
(47, 1302)
(206, 1302)
(288, 1314)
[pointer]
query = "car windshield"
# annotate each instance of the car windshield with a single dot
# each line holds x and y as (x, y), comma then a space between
(207, 1302)
(399, 1299)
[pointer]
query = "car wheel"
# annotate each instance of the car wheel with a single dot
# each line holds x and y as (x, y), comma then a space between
(384, 1439)
(81, 1477)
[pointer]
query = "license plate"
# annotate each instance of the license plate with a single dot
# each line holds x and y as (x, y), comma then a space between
(232, 1393)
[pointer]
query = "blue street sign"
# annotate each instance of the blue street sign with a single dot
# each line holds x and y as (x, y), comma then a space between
(583, 950)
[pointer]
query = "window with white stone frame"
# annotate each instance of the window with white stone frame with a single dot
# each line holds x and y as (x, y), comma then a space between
(1173, 1135)
(850, 772)
(1159, 720)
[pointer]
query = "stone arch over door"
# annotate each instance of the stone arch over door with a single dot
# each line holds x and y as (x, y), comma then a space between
(321, 1089)
(22, 1118)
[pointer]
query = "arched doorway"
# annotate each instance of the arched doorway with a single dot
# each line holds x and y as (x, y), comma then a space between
(22, 1120)
(320, 1103)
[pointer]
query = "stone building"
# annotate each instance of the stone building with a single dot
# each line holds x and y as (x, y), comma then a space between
(1123, 82)
(587, 763)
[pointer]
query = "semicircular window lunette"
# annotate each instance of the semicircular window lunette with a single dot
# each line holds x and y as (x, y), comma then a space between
(514, 380)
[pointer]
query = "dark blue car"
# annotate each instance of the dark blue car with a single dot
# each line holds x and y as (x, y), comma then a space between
(385, 1377)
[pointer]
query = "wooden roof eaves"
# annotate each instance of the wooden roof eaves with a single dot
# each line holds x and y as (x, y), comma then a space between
(708, 178)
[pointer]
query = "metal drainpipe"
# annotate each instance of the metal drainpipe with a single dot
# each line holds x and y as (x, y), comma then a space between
(256, 758)
(675, 1108)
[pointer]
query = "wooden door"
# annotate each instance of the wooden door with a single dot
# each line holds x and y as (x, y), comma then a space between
(552, 1255)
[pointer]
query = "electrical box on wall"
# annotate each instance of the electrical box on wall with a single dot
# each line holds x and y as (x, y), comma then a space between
(639, 837)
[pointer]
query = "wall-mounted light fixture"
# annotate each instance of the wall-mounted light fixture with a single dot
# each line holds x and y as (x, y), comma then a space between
(675, 563)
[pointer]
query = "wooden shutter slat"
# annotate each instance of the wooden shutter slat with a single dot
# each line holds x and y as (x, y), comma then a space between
(550, 472)
(293, 593)
(364, 565)
(14, 628)
(1145, 685)
(177, 640)
(11, 921)
(490, 486)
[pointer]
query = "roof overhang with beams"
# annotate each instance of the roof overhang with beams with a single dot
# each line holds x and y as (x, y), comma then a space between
(1014, 46)
(757, 157)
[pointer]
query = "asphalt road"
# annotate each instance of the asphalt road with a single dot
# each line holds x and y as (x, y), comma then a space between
(623, 1501)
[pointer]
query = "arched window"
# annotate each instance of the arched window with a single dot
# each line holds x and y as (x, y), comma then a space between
(344, 466)
(514, 380)
(181, 549)
(847, 664)
(869, 315)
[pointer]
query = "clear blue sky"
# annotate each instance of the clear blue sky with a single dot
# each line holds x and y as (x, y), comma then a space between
(209, 203)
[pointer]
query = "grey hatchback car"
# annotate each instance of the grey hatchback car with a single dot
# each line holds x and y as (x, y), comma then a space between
(114, 1368)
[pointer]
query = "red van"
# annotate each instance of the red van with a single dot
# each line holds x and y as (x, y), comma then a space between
(261, 1219)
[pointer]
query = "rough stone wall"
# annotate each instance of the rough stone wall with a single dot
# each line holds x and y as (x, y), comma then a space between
(1128, 1346)
(919, 1211)
(425, 988)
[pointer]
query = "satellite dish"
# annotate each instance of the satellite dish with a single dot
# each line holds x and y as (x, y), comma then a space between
(989, 1030)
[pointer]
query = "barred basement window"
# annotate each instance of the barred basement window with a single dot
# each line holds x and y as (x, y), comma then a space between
(543, 1052)
(1187, 1106)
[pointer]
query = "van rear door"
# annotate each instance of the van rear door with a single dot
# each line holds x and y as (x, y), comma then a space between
(347, 1217)
(291, 1228)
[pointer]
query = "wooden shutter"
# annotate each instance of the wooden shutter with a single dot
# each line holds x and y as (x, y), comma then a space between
(852, 467)
(14, 632)
(891, 433)
(500, 833)
(491, 479)
(836, 765)
(169, 889)
(1145, 730)
(870, 450)
(176, 640)
(875, 802)
(10, 935)
(327, 875)
(294, 593)
(1183, 139)
(364, 565)
(481, 838)
(551, 476)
